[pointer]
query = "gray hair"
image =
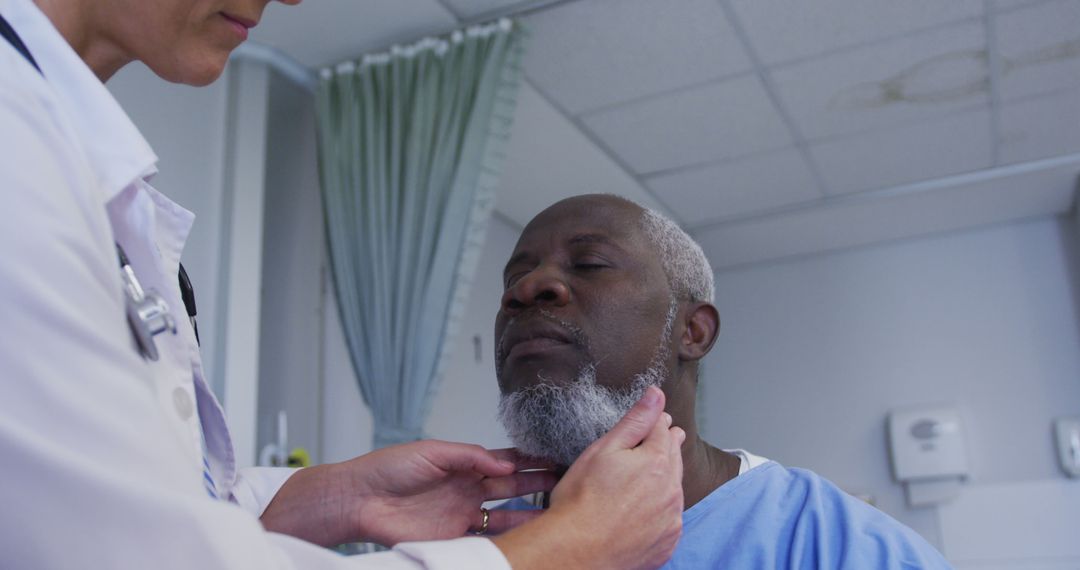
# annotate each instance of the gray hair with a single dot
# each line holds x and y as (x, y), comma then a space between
(688, 271)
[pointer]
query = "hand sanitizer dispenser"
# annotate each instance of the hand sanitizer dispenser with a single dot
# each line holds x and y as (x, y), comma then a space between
(928, 453)
(1067, 431)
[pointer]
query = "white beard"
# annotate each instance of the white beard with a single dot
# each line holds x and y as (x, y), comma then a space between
(557, 422)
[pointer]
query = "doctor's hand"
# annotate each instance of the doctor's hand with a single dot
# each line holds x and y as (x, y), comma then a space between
(618, 506)
(425, 490)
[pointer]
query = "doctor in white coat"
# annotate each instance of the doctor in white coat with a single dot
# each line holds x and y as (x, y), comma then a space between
(115, 460)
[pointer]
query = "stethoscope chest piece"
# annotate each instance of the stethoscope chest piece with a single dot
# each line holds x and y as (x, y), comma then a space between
(148, 318)
(147, 313)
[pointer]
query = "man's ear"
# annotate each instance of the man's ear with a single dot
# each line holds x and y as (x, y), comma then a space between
(702, 326)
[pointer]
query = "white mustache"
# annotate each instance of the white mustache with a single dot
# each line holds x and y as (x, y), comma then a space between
(575, 332)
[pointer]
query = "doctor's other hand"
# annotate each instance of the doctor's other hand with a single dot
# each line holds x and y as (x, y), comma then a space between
(618, 506)
(426, 490)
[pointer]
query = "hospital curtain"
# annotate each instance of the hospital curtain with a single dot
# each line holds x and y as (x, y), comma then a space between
(410, 147)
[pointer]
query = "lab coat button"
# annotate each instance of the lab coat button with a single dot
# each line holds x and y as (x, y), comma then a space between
(184, 406)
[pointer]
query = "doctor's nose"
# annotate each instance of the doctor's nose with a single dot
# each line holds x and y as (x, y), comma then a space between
(541, 286)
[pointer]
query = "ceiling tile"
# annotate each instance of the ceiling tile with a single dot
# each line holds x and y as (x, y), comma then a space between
(705, 124)
(910, 153)
(548, 159)
(1041, 127)
(736, 188)
(781, 30)
(469, 9)
(855, 222)
(586, 55)
(325, 32)
(1040, 48)
(890, 83)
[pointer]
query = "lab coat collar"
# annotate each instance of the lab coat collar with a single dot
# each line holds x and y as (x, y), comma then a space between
(117, 151)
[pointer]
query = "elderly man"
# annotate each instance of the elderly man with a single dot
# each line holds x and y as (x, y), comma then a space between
(603, 299)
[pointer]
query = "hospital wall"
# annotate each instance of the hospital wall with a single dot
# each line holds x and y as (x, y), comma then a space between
(814, 352)
(291, 320)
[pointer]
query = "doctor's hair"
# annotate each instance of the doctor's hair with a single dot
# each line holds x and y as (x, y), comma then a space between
(689, 273)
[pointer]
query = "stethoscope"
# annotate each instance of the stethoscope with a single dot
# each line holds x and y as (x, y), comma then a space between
(148, 314)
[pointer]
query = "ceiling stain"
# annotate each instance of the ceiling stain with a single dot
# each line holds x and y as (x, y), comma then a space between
(955, 76)
(1051, 54)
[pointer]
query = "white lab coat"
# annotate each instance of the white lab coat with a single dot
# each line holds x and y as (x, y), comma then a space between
(103, 450)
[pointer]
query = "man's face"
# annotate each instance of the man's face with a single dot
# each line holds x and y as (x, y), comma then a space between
(581, 329)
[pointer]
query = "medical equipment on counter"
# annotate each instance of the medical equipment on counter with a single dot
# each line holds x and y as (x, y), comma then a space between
(276, 454)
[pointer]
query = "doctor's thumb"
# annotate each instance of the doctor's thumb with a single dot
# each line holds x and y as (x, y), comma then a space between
(636, 425)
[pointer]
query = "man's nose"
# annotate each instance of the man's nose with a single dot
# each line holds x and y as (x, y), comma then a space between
(541, 286)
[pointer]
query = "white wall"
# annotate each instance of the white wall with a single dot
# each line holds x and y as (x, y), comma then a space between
(814, 352)
(290, 337)
(237, 320)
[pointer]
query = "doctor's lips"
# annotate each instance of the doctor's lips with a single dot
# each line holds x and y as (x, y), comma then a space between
(240, 24)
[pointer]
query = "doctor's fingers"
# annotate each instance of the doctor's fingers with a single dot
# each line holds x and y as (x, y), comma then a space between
(462, 457)
(521, 461)
(637, 426)
(660, 438)
(678, 436)
(518, 484)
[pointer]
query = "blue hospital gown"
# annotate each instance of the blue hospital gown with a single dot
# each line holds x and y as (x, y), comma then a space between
(775, 517)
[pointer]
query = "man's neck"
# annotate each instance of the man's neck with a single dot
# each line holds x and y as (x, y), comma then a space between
(704, 469)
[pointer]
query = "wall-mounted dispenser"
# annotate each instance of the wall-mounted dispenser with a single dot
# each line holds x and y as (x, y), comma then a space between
(928, 453)
(1067, 436)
